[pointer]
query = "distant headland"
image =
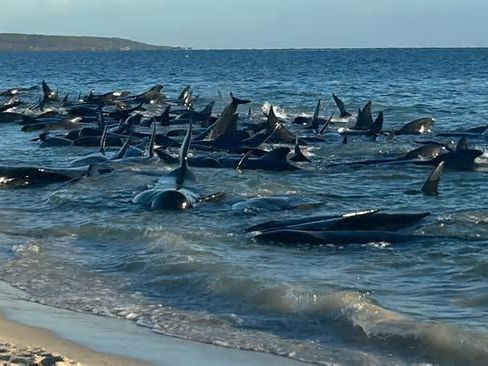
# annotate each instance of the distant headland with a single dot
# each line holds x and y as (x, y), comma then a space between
(17, 42)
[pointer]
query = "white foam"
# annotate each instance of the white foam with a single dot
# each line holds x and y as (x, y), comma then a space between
(279, 111)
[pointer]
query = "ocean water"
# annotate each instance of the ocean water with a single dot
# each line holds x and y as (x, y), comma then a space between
(198, 275)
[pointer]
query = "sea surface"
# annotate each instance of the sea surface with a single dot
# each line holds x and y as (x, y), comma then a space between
(198, 275)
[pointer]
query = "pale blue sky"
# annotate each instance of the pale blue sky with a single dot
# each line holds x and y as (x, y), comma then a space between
(259, 23)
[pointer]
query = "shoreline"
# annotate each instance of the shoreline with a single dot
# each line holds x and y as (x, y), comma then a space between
(97, 340)
(32, 344)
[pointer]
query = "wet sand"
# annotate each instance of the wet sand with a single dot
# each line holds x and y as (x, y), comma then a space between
(34, 331)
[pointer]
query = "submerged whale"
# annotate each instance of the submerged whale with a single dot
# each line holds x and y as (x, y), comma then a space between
(358, 228)
(170, 192)
(462, 158)
(28, 176)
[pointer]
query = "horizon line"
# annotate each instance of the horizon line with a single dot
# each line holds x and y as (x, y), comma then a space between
(187, 48)
(333, 48)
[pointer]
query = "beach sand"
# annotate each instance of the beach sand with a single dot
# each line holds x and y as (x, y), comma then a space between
(28, 329)
(26, 345)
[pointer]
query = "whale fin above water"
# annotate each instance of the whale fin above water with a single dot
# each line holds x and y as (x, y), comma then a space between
(103, 140)
(364, 119)
(463, 144)
(431, 185)
(153, 94)
(417, 127)
(272, 121)
(238, 101)
(280, 133)
(429, 151)
(327, 123)
(341, 106)
(48, 94)
(183, 173)
(298, 154)
(121, 153)
(315, 119)
(207, 111)
(224, 122)
(165, 116)
(377, 126)
(184, 93)
(152, 141)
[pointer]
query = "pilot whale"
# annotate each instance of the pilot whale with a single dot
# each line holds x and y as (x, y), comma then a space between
(171, 192)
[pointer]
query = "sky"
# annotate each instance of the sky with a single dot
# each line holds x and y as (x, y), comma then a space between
(258, 23)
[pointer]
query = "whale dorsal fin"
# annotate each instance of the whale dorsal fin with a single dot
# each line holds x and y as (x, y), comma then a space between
(152, 141)
(46, 90)
(103, 140)
(237, 101)
(151, 94)
(183, 173)
(298, 154)
(100, 117)
(207, 111)
(431, 185)
(341, 106)
(279, 131)
(184, 93)
(364, 119)
(327, 123)
(462, 144)
(121, 153)
(419, 126)
(165, 116)
(185, 146)
(377, 125)
(315, 118)
(273, 121)
(223, 123)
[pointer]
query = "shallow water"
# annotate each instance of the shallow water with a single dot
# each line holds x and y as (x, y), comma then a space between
(198, 275)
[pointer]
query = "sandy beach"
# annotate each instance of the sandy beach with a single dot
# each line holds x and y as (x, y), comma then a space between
(34, 334)
(26, 345)
(13, 355)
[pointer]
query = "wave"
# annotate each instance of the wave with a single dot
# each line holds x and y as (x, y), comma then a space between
(279, 111)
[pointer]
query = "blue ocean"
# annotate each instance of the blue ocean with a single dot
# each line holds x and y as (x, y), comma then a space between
(198, 275)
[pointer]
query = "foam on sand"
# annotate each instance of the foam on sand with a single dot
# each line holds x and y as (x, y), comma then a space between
(92, 340)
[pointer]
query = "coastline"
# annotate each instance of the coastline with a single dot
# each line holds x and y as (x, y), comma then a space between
(24, 344)
(96, 340)
(29, 343)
